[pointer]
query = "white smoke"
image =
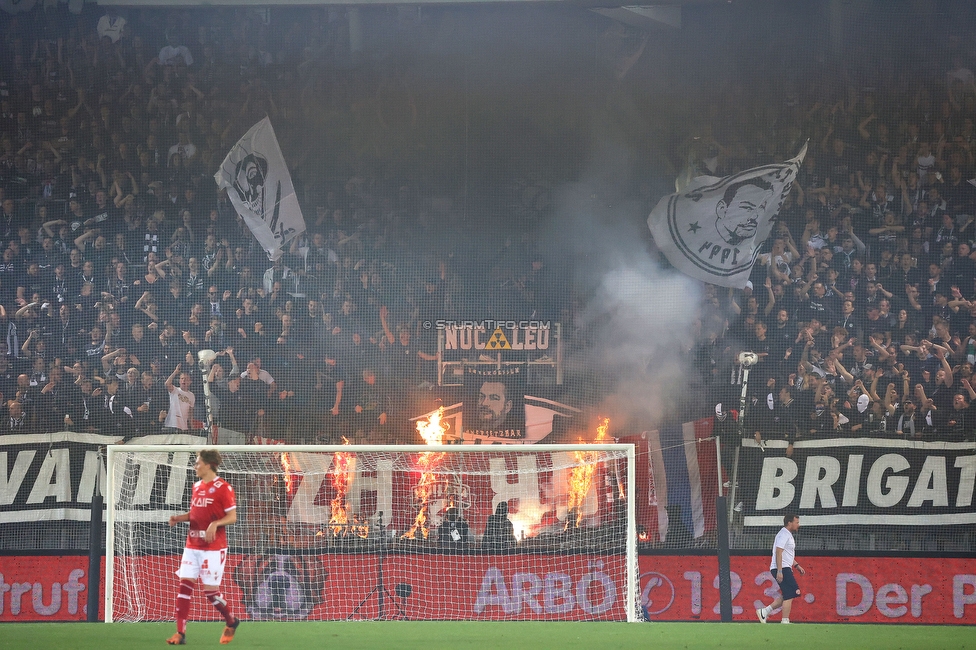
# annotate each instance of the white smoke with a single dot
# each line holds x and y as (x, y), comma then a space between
(645, 321)
(640, 319)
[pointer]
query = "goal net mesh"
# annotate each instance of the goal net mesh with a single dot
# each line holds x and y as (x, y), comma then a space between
(342, 533)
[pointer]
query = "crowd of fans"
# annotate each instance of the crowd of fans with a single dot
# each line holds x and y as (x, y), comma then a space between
(862, 308)
(121, 261)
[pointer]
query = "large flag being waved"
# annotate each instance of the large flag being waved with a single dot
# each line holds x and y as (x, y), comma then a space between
(713, 229)
(258, 184)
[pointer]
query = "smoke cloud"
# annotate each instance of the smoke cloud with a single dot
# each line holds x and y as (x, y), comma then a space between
(639, 317)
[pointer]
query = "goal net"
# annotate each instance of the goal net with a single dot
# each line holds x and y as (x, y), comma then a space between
(360, 532)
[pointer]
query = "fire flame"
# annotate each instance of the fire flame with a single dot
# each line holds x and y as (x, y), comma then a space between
(526, 518)
(432, 431)
(581, 476)
(340, 483)
(289, 477)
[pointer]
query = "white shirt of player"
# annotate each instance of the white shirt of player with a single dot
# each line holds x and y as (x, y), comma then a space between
(180, 409)
(785, 541)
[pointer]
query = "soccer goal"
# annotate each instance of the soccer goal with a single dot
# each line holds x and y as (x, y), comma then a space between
(534, 532)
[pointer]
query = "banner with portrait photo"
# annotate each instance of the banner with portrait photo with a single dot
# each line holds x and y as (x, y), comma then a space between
(713, 230)
(259, 186)
(544, 417)
(494, 405)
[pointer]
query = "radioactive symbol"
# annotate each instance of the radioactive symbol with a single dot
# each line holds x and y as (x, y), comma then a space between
(498, 341)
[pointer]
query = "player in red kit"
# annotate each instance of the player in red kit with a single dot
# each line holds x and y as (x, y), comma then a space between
(211, 509)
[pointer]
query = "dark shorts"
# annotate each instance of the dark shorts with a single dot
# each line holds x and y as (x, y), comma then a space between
(789, 587)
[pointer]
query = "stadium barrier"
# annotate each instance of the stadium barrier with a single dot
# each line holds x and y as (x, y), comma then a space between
(837, 589)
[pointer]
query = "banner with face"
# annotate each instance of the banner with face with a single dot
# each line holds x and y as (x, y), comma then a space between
(494, 405)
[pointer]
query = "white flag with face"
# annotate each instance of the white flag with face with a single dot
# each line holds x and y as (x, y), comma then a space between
(259, 185)
(713, 229)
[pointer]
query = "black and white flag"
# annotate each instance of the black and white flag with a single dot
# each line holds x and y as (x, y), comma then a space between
(259, 185)
(713, 229)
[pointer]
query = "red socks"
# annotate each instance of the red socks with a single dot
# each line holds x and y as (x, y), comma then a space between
(184, 598)
(217, 600)
(183, 605)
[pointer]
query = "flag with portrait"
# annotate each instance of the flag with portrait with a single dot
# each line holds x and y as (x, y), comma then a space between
(260, 188)
(713, 229)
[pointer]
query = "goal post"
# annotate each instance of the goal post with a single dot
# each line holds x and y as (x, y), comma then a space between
(386, 532)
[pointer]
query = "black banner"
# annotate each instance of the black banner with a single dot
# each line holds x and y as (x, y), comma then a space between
(858, 481)
(53, 477)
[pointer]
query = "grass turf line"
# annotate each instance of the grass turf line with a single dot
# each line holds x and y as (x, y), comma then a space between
(487, 635)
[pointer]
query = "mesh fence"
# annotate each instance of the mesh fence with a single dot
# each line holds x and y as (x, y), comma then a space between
(475, 183)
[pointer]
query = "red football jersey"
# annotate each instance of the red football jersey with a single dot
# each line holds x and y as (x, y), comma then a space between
(211, 501)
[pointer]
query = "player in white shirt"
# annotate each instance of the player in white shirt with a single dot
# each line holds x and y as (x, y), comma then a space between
(781, 566)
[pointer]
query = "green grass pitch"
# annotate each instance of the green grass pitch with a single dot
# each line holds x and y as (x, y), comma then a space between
(488, 636)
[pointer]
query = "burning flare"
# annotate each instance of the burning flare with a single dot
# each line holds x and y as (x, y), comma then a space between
(526, 519)
(581, 476)
(432, 431)
(340, 483)
(289, 475)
